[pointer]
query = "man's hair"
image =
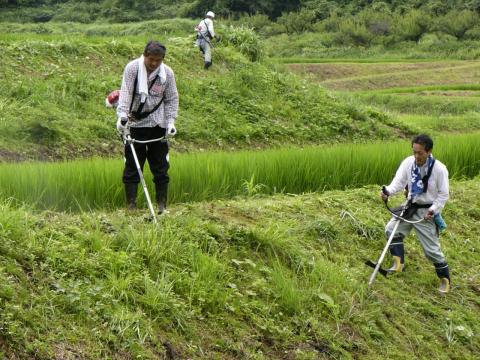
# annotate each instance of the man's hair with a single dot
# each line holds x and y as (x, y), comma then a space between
(425, 140)
(155, 48)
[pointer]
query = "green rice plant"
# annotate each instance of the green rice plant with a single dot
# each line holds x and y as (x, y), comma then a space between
(90, 184)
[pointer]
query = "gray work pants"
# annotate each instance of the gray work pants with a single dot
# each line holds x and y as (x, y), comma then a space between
(207, 49)
(426, 232)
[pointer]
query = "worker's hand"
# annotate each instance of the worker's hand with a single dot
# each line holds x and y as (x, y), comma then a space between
(429, 215)
(171, 130)
(122, 124)
(384, 194)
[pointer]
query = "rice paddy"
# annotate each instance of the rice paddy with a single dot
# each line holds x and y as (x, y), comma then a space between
(90, 184)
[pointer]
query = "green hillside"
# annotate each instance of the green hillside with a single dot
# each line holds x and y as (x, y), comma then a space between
(274, 194)
(53, 89)
(277, 277)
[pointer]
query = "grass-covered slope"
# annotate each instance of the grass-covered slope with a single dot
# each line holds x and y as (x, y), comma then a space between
(53, 87)
(262, 278)
(438, 97)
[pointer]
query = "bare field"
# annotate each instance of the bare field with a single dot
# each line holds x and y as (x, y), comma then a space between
(375, 76)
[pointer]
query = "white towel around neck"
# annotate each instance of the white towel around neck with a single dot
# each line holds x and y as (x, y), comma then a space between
(143, 77)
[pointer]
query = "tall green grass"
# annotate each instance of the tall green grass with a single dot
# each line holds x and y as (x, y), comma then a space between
(423, 104)
(441, 123)
(58, 84)
(194, 177)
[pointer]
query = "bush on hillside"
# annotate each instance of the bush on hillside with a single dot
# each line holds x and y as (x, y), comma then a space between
(331, 24)
(473, 34)
(77, 12)
(256, 22)
(354, 32)
(430, 39)
(245, 40)
(322, 9)
(457, 23)
(43, 16)
(412, 25)
(379, 23)
(297, 22)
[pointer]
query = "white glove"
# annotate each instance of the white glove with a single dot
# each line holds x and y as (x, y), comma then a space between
(171, 130)
(121, 127)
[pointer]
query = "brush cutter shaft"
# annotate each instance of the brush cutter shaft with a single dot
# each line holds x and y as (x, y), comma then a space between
(384, 252)
(142, 179)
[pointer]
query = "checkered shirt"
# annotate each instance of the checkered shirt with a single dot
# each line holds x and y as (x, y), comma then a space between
(166, 114)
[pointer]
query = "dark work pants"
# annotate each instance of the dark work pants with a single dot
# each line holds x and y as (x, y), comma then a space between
(156, 153)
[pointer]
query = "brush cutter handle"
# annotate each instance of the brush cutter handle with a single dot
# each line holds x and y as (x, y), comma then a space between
(385, 194)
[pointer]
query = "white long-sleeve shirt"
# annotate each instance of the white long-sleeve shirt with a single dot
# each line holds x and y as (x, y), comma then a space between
(206, 26)
(437, 192)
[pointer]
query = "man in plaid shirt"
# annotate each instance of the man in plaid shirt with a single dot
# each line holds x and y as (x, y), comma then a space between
(149, 101)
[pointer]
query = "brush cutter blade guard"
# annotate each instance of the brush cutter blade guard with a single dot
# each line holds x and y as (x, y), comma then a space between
(374, 265)
(112, 99)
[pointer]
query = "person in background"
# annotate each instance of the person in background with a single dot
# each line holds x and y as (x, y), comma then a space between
(205, 35)
(148, 100)
(428, 190)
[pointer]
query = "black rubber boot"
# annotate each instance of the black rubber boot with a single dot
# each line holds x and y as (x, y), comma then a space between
(131, 195)
(207, 65)
(161, 191)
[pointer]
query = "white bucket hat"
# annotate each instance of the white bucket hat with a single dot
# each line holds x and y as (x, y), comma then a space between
(211, 14)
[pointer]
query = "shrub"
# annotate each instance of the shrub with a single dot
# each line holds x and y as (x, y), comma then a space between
(354, 32)
(77, 12)
(245, 40)
(473, 34)
(297, 22)
(413, 25)
(322, 9)
(457, 23)
(43, 16)
(379, 23)
(256, 22)
(430, 39)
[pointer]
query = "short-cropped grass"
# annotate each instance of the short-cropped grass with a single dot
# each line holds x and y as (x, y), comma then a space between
(201, 176)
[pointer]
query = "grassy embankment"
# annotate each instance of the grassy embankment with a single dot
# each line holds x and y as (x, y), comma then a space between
(434, 96)
(262, 278)
(55, 79)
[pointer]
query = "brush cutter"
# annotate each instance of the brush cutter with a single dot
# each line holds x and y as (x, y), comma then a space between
(128, 140)
(398, 214)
